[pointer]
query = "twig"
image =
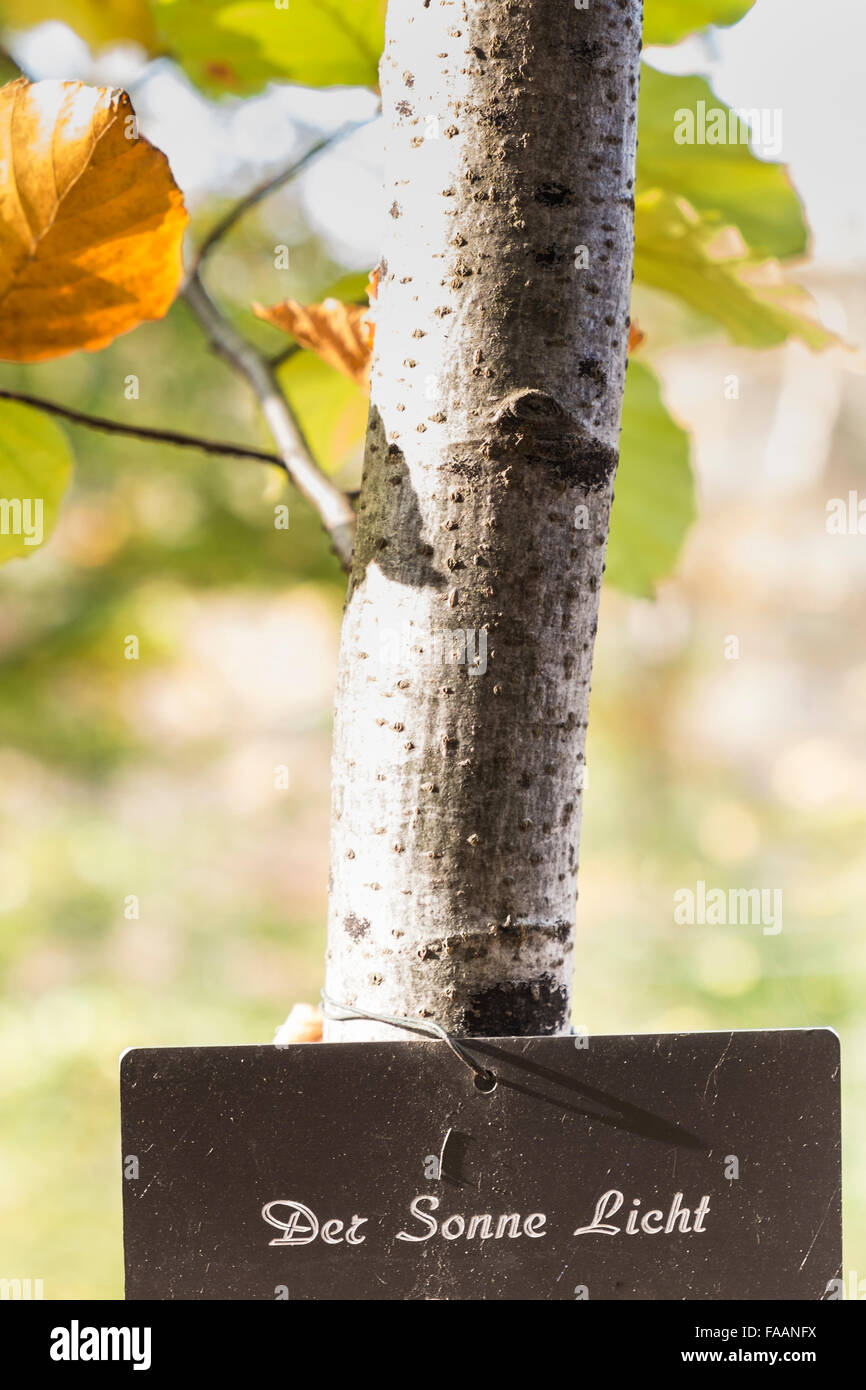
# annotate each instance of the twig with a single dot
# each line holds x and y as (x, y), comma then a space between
(334, 507)
(263, 190)
(283, 356)
(294, 456)
(144, 432)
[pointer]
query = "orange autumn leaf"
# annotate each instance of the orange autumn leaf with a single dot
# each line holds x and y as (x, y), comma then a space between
(341, 334)
(91, 220)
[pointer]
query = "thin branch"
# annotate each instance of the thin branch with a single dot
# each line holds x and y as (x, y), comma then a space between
(294, 457)
(263, 190)
(283, 356)
(174, 437)
(334, 507)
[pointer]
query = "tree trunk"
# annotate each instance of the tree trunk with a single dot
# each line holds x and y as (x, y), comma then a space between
(497, 385)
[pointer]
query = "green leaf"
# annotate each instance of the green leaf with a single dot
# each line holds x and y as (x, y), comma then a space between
(655, 501)
(725, 182)
(331, 410)
(240, 45)
(679, 252)
(98, 22)
(668, 21)
(351, 288)
(35, 464)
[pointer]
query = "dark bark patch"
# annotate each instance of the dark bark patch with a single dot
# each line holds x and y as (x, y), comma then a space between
(560, 930)
(356, 927)
(550, 255)
(402, 556)
(592, 464)
(531, 427)
(591, 368)
(518, 1009)
(589, 50)
(554, 195)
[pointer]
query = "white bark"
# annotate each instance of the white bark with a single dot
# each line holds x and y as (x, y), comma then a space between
(495, 405)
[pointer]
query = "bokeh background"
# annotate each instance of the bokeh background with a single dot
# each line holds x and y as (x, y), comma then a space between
(195, 779)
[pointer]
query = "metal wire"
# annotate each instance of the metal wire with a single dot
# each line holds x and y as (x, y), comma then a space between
(412, 1025)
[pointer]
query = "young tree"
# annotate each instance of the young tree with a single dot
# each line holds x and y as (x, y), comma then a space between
(491, 449)
(501, 322)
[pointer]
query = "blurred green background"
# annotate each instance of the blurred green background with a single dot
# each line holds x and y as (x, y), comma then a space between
(194, 780)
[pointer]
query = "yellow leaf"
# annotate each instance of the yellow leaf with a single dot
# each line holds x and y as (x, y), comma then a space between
(91, 220)
(99, 22)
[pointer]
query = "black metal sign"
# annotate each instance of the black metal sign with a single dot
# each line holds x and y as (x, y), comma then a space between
(683, 1166)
